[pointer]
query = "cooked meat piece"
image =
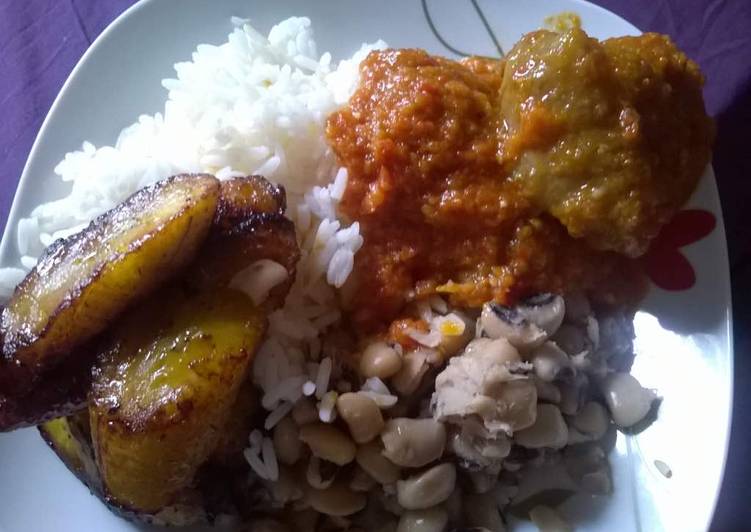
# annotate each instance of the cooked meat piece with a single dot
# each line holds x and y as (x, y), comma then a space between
(486, 384)
(610, 138)
(488, 179)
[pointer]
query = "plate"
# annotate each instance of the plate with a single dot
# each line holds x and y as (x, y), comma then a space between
(683, 329)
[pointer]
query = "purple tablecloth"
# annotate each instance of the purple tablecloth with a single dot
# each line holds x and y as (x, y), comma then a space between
(41, 40)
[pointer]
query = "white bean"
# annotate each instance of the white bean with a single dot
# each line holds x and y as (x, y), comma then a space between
(431, 520)
(548, 520)
(408, 379)
(573, 393)
(413, 442)
(592, 420)
(380, 360)
(287, 441)
(549, 361)
(627, 400)
(362, 415)
(286, 488)
(549, 430)
(329, 443)
(379, 467)
(547, 391)
(428, 488)
(337, 500)
(482, 452)
(572, 339)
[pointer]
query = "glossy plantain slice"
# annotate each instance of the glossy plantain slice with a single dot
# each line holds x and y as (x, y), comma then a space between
(243, 197)
(58, 392)
(249, 229)
(244, 416)
(70, 438)
(83, 282)
(164, 391)
(241, 252)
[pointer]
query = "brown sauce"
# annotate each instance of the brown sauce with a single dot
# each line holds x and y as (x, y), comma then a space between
(420, 139)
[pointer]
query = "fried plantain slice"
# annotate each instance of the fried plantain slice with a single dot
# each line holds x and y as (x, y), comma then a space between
(240, 257)
(70, 438)
(58, 392)
(163, 392)
(242, 197)
(172, 392)
(218, 488)
(83, 282)
(249, 231)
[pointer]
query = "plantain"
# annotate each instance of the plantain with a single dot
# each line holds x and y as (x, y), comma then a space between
(58, 392)
(82, 283)
(70, 438)
(171, 393)
(162, 394)
(241, 198)
(164, 369)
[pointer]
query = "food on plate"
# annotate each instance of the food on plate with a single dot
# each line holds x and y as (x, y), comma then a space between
(440, 203)
(248, 238)
(215, 490)
(83, 282)
(70, 437)
(163, 392)
(58, 392)
(252, 246)
(610, 138)
(169, 398)
(430, 329)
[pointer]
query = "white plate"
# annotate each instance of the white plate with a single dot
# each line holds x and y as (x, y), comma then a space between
(686, 355)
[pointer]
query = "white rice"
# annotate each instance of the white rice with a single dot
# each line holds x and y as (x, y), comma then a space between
(255, 439)
(309, 388)
(269, 459)
(277, 415)
(322, 378)
(255, 463)
(327, 407)
(253, 105)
